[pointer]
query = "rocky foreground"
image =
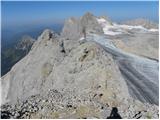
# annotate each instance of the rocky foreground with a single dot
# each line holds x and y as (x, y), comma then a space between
(71, 76)
(64, 105)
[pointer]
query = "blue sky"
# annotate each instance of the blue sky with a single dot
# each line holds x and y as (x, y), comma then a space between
(23, 13)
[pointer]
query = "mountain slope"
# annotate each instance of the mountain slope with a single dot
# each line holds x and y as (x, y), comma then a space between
(74, 75)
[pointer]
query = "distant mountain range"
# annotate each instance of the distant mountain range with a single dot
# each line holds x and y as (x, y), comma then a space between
(25, 43)
(10, 36)
(12, 55)
(142, 22)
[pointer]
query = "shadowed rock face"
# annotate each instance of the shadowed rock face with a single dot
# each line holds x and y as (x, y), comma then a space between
(68, 76)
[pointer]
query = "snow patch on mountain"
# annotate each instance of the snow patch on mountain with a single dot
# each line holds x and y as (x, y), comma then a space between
(107, 27)
(116, 29)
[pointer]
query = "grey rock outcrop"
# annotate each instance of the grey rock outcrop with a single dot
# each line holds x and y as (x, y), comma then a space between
(74, 28)
(56, 105)
(90, 23)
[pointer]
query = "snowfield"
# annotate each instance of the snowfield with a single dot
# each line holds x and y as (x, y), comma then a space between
(116, 29)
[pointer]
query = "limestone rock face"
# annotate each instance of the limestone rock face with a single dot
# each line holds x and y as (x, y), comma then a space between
(72, 29)
(75, 28)
(90, 23)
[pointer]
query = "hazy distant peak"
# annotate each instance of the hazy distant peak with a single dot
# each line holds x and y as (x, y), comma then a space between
(27, 38)
(143, 22)
(25, 43)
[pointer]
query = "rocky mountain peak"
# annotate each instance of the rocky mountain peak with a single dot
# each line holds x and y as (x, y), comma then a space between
(90, 23)
(48, 34)
(88, 15)
(71, 29)
(74, 28)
